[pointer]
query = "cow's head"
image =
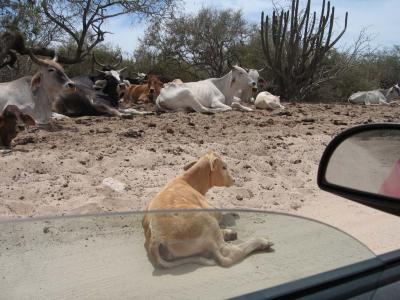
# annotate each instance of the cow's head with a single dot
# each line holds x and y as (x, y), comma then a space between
(218, 172)
(154, 86)
(397, 88)
(241, 79)
(13, 121)
(51, 78)
(255, 75)
(394, 91)
(123, 88)
(47, 85)
(110, 72)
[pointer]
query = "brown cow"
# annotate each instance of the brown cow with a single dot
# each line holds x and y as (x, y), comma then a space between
(195, 237)
(12, 121)
(143, 93)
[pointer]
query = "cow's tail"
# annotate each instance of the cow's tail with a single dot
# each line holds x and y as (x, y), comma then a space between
(156, 246)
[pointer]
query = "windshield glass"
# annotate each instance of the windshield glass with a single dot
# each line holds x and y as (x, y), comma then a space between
(131, 106)
(104, 257)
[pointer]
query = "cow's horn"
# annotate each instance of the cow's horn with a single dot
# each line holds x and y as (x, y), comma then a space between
(55, 58)
(100, 71)
(95, 60)
(120, 70)
(35, 59)
(118, 63)
(262, 69)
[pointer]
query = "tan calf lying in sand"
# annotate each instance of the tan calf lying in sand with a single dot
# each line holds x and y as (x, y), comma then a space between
(174, 239)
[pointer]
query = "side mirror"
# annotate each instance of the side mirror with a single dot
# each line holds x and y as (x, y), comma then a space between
(363, 164)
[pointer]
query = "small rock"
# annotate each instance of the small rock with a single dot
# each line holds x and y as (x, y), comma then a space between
(339, 122)
(308, 120)
(81, 121)
(295, 206)
(266, 123)
(239, 198)
(113, 184)
(170, 131)
(104, 130)
(46, 229)
(132, 134)
(283, 113)
(26, 140)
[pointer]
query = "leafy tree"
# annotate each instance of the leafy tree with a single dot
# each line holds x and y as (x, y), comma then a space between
(201, 45)
(80, 21)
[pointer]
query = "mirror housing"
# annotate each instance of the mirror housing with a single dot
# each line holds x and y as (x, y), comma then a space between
(335, 167)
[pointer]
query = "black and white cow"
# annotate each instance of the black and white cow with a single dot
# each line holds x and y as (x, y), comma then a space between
(95, 95)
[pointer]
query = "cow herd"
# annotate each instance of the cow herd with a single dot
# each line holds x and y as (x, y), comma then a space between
(50, 93)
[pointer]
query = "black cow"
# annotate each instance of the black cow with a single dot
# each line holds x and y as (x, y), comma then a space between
(95, 95)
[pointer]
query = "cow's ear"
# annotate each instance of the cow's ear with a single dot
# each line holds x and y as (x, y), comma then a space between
(28, 120)
(35, 81)
(189, 165)
(213, 159)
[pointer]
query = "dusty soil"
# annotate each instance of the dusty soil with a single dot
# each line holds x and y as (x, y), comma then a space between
(272, 155)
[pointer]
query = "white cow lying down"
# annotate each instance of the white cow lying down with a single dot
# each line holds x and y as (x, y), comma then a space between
(205, 96)
(375, 97)
(266, 100)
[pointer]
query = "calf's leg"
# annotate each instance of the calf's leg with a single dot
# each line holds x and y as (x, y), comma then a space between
(230, 254)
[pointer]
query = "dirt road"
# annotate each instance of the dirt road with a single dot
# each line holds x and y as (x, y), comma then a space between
(273, 156)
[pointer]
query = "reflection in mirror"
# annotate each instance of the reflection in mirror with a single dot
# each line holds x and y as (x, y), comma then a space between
(368, 161)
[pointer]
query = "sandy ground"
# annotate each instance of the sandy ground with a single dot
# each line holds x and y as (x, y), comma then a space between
(272, 155)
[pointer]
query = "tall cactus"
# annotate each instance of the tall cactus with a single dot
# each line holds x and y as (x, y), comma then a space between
(295, 43)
